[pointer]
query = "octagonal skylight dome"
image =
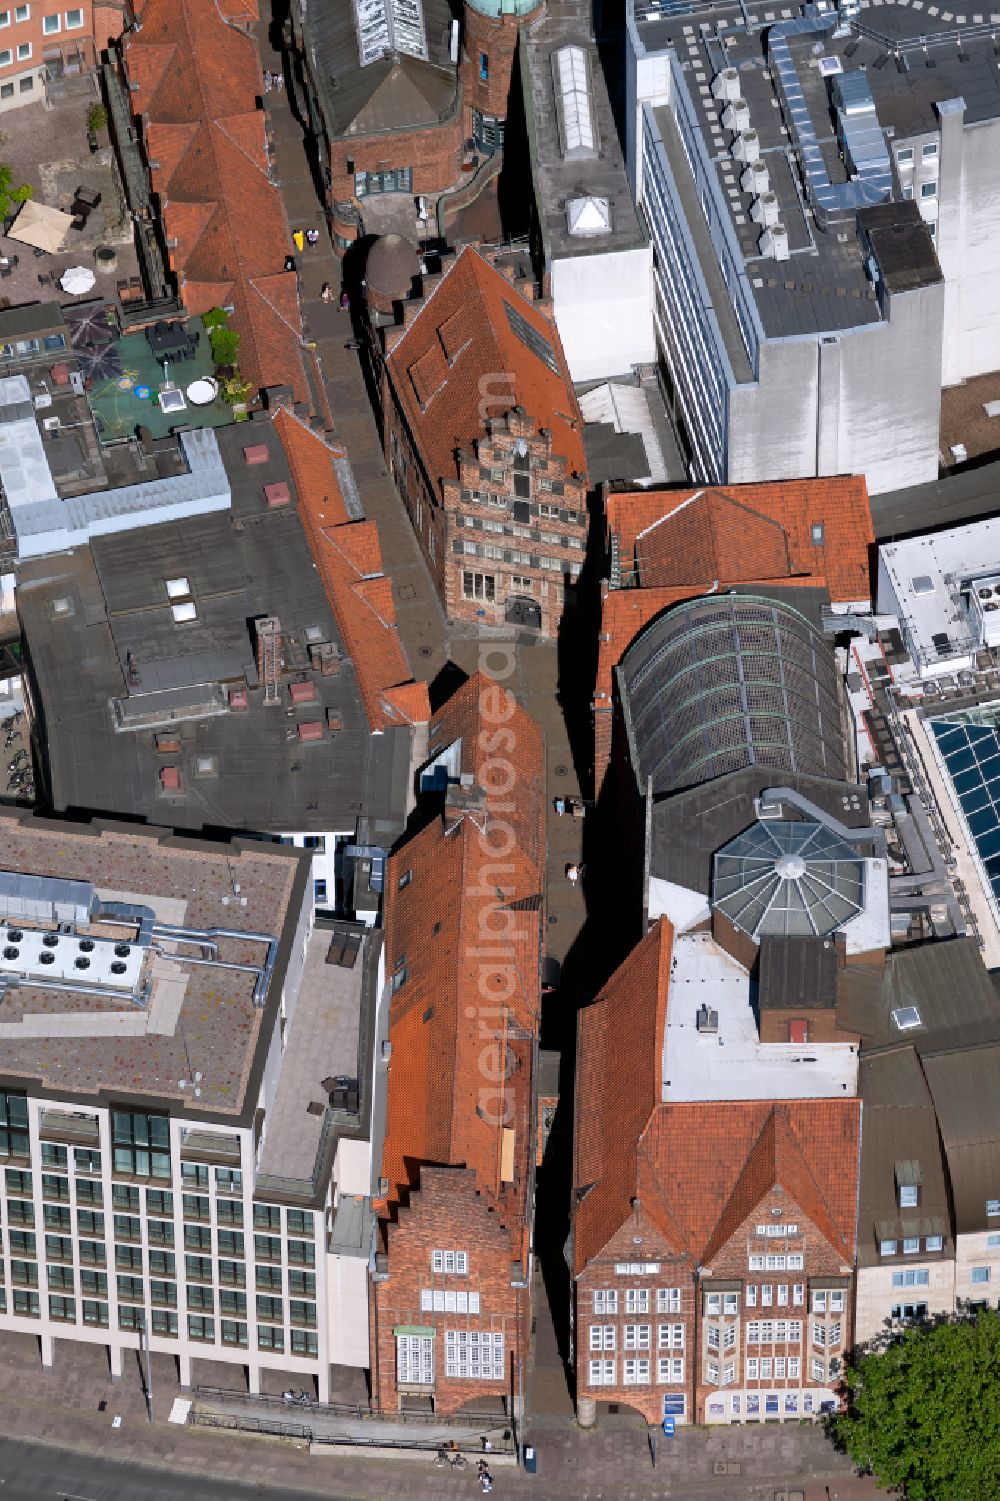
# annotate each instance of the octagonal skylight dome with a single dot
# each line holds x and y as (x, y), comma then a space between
(788, 879)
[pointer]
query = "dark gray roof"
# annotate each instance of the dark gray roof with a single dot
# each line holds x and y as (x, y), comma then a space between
(558, 180)
(687, 829)
(941, 503)
(945, 983)
(965, 1087)
(391, 92)
(899, 1129)
(901, 243)
(797, 972)
(613, 457)
(31, 318)
(238, 770)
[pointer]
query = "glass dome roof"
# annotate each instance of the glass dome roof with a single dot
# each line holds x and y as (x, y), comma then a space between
(786, 879)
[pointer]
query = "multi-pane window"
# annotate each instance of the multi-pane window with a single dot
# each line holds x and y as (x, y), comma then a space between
(233, 1272)
(159, 1201)
(201, 1297)
(125, 1197)
(233, 1303)
(436, 1299)
(95, 1283)
(668, 1300)
(479, 586)
(58, 1248)
(233, 1333)
(127, 1227)
(18, 1181)
(25, 1273)
(229, 1212)
(304, 1343)
(267, 1217)
(194, 1175)
(231, 1243)
(303, 1285)
(196, 1207)
(637, 1336)
(269, 1308)
(198, 1268)
(635, 1372)
(268, 1277)
(670, 1368)
(20, 1212)
(164, 1323)
(301, 1253)
(130, 1288)
(200, 1327)
(141, 1144)
(602, 1336)
(267, 1247)
(300, 1312)
(162, 1264)
(26, 1304)
(414, 1359)
(300, 1221)
(22, 1243)
(58, 1217)
(473, 1353)
(228, 1180)
(89, 1192)
(92, 1252)
(605, 1300)
(163, 1293)
(160, 1232)
(60, 1278)
(637, 1300)
(54, 1155)
(128, 1258)
(774, 1331)
(601, 1373)
(85, 1160)
(270, 1338)
(95, 1313)
(197, 1238)
(13, 1125)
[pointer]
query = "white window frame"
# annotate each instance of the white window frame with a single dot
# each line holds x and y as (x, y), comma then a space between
(637, 1337)
(908, 1196)
(68, 15)
(414, 1360)
(451, 1263)
(18, 16)
(670, 1337)
(601, 1373)
(635, 1372)
(668, 1300)
(24, 52)
(48, 30)
(637, 1300)
(605, 1300)
(669, 1369)
(474, 1354)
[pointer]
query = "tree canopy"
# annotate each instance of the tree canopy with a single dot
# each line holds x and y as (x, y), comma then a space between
(10, 195)
(923, 1410)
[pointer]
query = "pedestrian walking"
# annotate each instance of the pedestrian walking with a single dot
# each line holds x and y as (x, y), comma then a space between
(299, 239)
(268, 80)
(278, 80)
(312, 237)
(559, 803)
(572, 874)
(487, 1445)
(345, 302)
(326, 292)
(289, 263)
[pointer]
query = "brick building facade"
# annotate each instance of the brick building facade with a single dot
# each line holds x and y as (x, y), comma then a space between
(713, 1240)
(40, 41)
(450, 1300)
(401, 109)
(483, 436)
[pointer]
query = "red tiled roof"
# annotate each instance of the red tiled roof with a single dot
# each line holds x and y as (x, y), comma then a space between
(620, 1048)
(715, 1161)
(198, 76)
(467, 312)
(504, 750)
(699, 1169)
(467, 921)
(349, 559)
(736, 533)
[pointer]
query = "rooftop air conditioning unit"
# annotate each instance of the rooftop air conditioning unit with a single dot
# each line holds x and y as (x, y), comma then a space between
(774, 242)
(726, 85)
(756, 180)
(736, 115)
(766, 211)
(707, 1021)
(43, 399)
(50, 424)
(746, 147)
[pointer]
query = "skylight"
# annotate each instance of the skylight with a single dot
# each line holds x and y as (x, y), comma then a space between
(389, 26)
(536, 342)
(571, 79)
(906, 1018)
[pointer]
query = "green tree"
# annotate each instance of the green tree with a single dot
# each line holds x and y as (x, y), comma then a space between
(225, 345)
(923, 1410)
(216, 317)
(11, 196)
(97, 117)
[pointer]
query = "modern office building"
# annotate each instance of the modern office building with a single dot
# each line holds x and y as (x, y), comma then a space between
(185, 1059)
(806, 310)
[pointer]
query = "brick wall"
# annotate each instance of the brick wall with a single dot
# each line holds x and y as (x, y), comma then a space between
(414, 485)
(434, 153)
(447, 1214)
(497, 39)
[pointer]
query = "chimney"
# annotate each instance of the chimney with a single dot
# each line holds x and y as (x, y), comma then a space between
(269, 657)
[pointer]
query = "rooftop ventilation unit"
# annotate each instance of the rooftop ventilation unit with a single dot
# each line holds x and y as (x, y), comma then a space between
(767, 212)
(983, 598)
(756, 180)
(726, 85)
(774, 242)
(707, 1021)
(746, 147)
(736, 115)
(830, 65)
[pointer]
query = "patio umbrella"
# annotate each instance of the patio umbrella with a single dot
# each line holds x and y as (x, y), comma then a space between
(100, 364)
(88, 324)
(77, 279)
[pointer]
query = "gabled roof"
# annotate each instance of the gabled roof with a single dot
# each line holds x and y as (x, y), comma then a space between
(499, 740)
(349, 559)
(463, 925)
(738, 533)
(197, 76)
(619, 1058)
(497, 347)
(698, 1169)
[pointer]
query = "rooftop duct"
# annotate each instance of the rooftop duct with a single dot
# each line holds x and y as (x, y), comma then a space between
(756, 180)
(726, 85)
(746, 147)
(830, 201)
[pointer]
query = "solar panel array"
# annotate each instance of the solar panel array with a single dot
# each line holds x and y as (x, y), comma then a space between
(971, 753)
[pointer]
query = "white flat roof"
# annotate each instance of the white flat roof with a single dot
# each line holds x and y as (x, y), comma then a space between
(733, 1064)
(923, 573)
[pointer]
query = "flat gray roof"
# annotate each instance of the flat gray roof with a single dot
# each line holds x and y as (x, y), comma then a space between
(105, 651)
(968, 496)
(559, 179)
(823, 286)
